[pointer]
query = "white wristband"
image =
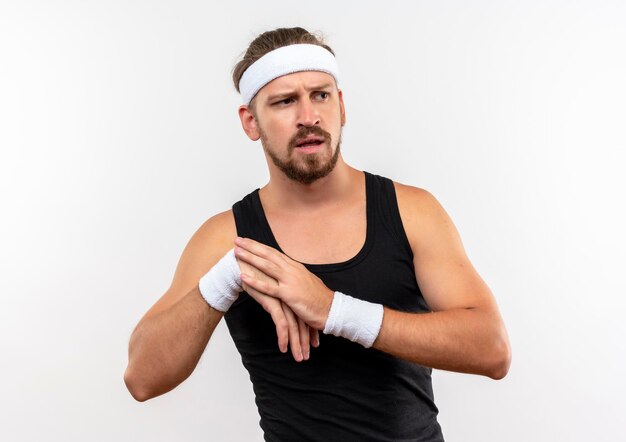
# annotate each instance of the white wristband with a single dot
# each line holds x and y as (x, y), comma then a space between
(221, 285)
(354, 319)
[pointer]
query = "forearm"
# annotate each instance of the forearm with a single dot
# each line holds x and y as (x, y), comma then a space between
(165, 348)
(462, 340)
(469, 340)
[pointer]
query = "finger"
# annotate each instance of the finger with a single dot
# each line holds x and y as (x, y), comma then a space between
(274, 307)
(294, 334)
(315, 337)
(304, 338)
(258, 262)
(266, 287)
(282, 326)
(261, 250)
(250, 270)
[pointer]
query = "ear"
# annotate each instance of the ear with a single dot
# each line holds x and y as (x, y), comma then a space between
(248, 123)
(342, 109)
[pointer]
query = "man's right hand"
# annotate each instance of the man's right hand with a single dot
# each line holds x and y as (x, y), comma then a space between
(290, 329)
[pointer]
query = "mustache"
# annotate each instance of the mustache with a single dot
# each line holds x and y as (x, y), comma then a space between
(305, 131)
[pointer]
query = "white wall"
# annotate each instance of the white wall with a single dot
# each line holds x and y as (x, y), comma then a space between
(119, 137)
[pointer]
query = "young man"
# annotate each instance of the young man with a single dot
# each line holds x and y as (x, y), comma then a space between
(376, 266)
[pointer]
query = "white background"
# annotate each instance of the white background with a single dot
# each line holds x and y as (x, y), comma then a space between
(119, 138)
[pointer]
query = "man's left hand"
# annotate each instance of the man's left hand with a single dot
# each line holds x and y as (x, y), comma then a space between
(301, 290)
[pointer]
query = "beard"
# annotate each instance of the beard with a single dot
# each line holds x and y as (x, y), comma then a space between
(310, 167)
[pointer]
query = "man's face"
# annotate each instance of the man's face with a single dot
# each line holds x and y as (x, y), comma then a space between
(298, 118)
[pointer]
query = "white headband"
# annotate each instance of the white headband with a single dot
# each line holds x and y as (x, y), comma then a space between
(283, 61)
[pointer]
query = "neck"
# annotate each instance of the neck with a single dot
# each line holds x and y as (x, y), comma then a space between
(288, 195)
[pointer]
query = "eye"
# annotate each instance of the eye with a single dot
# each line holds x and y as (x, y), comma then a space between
(283, 102)
(322, 95)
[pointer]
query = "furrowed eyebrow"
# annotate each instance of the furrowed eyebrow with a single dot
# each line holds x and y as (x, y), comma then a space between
(323, 86)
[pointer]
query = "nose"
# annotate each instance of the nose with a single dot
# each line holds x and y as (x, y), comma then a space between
(308, 115)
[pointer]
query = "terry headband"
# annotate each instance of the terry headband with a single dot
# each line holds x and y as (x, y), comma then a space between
(283, 61)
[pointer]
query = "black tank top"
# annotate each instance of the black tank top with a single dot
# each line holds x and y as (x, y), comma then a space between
(344, 392)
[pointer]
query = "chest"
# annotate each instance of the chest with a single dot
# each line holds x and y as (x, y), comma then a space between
(332, 237)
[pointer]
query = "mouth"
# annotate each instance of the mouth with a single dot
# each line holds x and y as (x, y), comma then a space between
(310, 142)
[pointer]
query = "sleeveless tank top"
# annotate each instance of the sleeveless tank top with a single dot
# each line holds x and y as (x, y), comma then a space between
(344, 392)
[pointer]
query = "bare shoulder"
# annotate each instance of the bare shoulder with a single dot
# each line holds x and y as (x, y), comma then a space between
(443, 270)
(420, 212)
(411, 198)
(208, 244)
(218, 229)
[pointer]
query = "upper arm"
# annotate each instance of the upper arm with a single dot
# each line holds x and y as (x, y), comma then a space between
(207, 246)
(445, 275)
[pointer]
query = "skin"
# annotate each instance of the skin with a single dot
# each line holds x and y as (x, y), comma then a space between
(464, 332)
(167, 343)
